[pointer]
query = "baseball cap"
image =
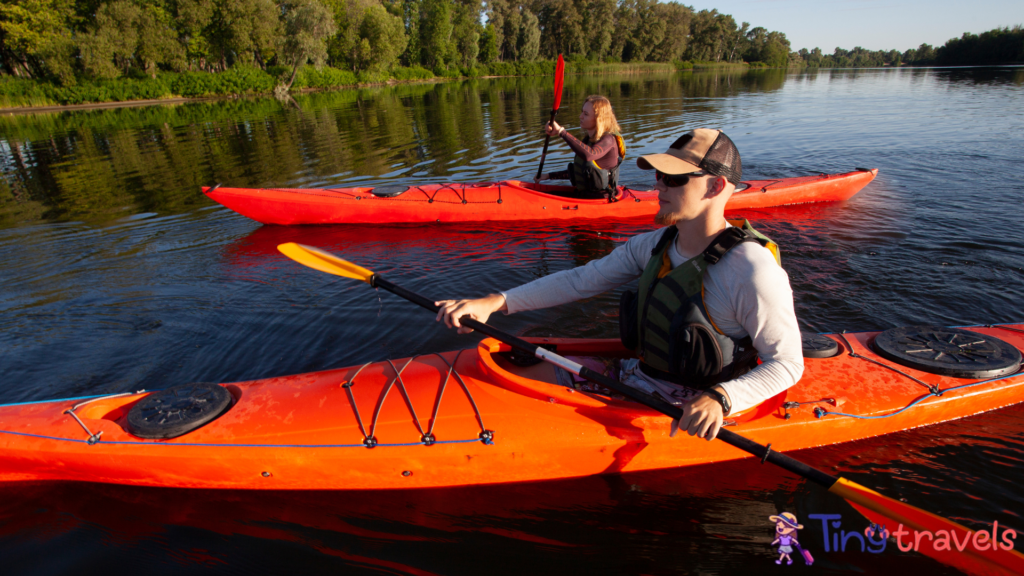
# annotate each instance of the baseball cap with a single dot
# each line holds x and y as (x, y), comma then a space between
(700, 149)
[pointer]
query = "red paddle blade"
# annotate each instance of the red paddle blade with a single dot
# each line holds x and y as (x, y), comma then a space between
(559, 76)
(948, 542)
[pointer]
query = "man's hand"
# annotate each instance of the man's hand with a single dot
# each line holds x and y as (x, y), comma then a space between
(480, 309)
(703, 416)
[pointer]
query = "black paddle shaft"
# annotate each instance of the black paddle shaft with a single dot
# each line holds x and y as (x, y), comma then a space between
(547, 140)
(765, 453)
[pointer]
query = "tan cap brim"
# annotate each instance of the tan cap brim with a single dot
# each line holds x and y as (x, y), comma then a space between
(666, 163)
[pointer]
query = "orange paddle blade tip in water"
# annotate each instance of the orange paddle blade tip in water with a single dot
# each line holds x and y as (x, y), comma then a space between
(980, 552)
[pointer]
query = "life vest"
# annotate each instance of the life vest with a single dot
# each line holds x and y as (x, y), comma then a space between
(590, 179)
(669, 327)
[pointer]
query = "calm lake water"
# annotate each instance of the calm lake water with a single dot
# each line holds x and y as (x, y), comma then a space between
(118, 274)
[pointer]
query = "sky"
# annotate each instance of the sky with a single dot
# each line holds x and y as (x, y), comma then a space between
(870, 24)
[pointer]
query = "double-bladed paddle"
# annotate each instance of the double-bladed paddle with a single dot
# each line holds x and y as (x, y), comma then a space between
(559, 77)
(874, 506)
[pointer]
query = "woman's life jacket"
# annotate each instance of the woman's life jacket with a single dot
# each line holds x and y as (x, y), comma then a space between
(590, 179)
(669, 327)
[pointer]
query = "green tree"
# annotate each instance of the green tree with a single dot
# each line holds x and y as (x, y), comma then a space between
(36, 39)
(436, 30)
(776, 50)
(562, 28)
(677, 30)
(925, 54)
(737, 43)
(599, 26)
(245, 31)
(489, 44)
(382, 39)
(129, 34)
(411, 16)
(192, 20)
(528, 41)
(711, 35)
(466, 32)
(307, 28)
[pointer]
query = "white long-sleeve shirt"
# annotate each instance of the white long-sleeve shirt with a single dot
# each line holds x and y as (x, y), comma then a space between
(746, 293)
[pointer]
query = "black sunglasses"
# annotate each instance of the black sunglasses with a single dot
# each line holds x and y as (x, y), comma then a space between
(676, 180)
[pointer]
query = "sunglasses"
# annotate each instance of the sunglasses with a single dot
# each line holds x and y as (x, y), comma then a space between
(676, 180)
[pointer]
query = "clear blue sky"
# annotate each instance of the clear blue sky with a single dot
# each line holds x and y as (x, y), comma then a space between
(871, 24)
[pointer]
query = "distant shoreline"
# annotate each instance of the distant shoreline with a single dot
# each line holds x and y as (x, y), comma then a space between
(24, 110)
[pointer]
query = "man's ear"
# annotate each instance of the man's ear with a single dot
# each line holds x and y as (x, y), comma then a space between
(716, 186)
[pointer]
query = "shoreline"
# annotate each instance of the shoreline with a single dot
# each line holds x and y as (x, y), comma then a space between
(25, 110)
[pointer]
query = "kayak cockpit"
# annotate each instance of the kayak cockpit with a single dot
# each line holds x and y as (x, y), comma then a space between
(544, 381)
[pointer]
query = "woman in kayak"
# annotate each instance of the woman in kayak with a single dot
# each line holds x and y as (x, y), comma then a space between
(594, 171)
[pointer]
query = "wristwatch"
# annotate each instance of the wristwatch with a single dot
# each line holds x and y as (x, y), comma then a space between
(721, 398)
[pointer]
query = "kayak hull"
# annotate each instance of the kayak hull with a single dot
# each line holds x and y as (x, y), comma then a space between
(304, 432)
(508, 200)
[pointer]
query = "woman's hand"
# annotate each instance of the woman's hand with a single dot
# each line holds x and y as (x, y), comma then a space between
(480, 309)
(703, 417)
(544, 176)
(553, 129)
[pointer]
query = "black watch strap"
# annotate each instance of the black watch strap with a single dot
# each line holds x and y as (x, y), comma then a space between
(721, 398)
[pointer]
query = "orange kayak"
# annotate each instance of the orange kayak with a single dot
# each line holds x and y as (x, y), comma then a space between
(506, 200)
(477, 416)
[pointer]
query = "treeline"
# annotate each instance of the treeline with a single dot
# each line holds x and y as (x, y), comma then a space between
(68, 41)
(997, 46)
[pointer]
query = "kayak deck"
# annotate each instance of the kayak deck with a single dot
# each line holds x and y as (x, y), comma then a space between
(487, 421)
(502, 201)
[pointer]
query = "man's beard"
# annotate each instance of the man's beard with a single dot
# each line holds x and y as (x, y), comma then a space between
(663, 218)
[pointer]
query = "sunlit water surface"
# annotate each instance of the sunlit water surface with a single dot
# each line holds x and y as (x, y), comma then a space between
(117, 274)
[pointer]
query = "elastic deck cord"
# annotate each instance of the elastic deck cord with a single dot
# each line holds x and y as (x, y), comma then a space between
(821, 412)
(932, 388)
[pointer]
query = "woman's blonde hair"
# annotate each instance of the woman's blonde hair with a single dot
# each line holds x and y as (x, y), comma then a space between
(604, 115)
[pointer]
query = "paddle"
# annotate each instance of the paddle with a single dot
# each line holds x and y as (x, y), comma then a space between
(559, 77)
(870, 503)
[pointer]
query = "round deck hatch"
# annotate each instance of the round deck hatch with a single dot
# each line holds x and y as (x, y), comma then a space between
(178, 410)
(948, 351)
(818, 346)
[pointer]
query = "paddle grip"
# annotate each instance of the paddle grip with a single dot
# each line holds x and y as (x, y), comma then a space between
(674, 412)
(547, 140)
(522, 345)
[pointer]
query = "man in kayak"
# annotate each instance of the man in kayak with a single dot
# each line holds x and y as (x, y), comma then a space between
(594, 171)
(712, 297)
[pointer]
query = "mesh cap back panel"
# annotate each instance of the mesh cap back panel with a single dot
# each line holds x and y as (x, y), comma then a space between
(723, 159)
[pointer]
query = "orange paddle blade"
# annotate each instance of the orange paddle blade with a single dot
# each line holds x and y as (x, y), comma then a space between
(318, 259)
(982, 552)
(559, 78)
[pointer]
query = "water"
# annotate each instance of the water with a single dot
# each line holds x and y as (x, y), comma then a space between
(118, 275)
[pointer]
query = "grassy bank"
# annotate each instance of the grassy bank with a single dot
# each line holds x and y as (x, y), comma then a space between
(18, 93)
(687, 65)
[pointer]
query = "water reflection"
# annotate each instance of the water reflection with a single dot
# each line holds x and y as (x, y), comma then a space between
(97, 165)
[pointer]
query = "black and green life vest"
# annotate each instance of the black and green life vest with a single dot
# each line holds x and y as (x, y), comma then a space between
(669, 327)
(590, 179)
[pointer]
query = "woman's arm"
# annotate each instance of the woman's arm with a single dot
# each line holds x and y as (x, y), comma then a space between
(605, 149)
